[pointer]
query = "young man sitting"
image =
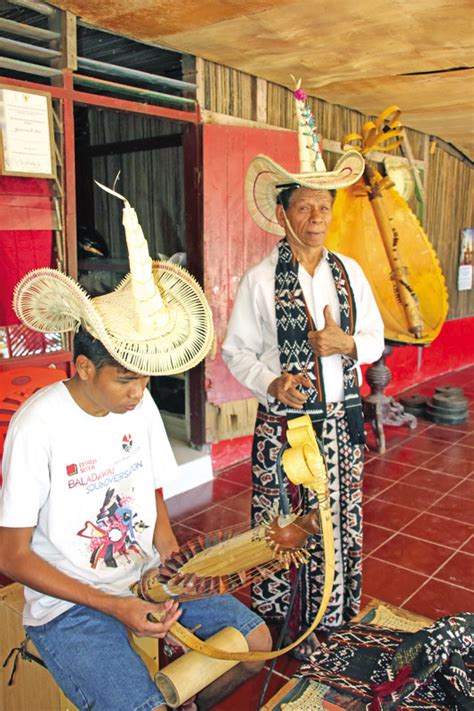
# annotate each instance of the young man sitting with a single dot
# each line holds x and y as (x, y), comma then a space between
(80, 513)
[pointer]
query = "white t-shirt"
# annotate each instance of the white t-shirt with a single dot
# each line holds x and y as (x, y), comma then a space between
(250, 348)
(87, 484)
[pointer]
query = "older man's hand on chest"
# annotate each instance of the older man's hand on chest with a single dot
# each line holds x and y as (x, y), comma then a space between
(331, 339)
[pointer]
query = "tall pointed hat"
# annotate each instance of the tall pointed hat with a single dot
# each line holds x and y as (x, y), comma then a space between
(156, 322)
(265, 178)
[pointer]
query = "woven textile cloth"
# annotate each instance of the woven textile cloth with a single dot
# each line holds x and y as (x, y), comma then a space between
(26, 236)
(270, 597)
(296, 355)
(382, 669)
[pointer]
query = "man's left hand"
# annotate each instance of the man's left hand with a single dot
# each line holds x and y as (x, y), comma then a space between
(331, 339)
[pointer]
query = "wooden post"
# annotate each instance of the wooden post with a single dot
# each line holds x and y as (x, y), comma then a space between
(261, 101)
(65, 23)
(193, 72)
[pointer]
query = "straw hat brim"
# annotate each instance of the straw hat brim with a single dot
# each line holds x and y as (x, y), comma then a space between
(47, 300)
(263, 175)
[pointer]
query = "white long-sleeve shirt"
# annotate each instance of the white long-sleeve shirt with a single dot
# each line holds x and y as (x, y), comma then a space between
(250, 348)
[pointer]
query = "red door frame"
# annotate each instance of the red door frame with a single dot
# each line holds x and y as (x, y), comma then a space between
(69, 96)
(193, 196)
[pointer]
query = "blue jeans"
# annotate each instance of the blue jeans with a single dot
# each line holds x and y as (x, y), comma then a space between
(90, 657)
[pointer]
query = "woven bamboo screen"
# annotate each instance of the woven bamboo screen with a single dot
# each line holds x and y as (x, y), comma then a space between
(151, 179)
(449, 205)
(229, 91)
(450, 209)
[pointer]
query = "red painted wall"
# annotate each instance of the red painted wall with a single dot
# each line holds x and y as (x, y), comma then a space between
(232, 241)
(230, 451)
(452, 350)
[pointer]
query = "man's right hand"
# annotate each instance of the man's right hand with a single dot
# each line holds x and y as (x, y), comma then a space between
(20, 563)
(136, 614)
(284, 388)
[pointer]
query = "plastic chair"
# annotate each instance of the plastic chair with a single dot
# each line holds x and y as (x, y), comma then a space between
(16, 386)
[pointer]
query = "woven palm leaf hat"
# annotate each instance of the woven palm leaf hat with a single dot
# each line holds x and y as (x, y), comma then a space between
(265, 178)
(156, 322)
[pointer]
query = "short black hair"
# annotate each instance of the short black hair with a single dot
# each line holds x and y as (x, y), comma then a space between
(284, 197)
(85, 344)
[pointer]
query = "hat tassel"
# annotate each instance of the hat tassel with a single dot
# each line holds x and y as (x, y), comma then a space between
(308, 140)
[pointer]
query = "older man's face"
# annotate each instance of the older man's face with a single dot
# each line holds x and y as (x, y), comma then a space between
(309, 214)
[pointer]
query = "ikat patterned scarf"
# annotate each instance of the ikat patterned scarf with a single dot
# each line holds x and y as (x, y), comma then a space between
(296, 356)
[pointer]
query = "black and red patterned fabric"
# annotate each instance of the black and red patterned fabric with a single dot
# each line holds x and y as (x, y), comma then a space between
(379, 669)
(26, 236)
(270, 598)
(296, 355)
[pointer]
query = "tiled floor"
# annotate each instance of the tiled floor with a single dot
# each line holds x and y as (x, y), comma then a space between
(418, 523)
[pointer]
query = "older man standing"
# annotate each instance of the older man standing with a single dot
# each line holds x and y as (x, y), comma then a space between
(303, 320)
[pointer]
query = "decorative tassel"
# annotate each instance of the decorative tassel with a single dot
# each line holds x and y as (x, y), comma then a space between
(308, 139)
(389, 687)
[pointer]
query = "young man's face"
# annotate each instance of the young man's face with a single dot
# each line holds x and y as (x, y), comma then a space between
(113, 389)
(309, 214)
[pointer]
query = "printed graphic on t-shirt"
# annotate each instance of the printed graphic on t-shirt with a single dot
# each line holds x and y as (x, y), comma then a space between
(127, 442)
(113, 535)
(71, 469)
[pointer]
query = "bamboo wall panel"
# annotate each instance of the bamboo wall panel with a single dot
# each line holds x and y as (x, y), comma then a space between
(228, 91)
(450, 208)
(151, 180)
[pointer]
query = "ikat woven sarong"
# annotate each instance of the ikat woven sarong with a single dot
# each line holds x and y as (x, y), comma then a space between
(270, 598)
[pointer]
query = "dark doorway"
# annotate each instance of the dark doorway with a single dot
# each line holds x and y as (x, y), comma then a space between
(147, 154)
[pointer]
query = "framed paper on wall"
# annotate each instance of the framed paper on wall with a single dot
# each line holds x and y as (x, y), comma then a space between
(465, 260)
(26, 132)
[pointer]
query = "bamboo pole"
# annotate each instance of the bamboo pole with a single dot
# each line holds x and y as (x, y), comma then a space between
(406, 296)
